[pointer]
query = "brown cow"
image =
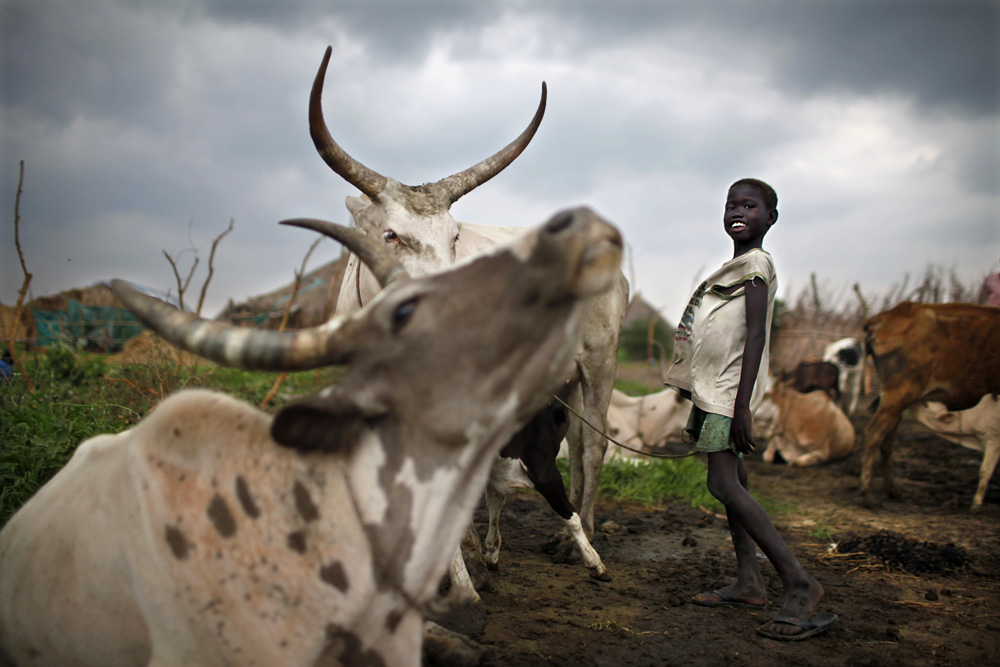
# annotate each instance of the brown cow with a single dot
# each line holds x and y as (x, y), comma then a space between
(949, 353)
(805, 429)
(815, 375)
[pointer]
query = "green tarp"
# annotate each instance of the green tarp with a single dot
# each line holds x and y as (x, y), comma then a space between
(94, 327)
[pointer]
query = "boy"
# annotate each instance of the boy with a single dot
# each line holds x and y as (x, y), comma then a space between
(720, 363)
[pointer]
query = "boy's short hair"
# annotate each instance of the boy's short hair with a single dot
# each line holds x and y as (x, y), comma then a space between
(767, 193)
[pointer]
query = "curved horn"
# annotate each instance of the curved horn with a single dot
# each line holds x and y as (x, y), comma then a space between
(383, 264)
(364, 179)
(250, 349)
(464, 182)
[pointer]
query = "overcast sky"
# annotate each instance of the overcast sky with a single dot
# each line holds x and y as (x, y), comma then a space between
(146, 125)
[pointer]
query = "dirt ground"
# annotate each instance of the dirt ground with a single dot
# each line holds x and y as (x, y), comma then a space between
(925, 593)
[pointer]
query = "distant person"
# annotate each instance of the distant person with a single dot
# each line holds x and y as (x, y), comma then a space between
(6, 366)
(720, 363)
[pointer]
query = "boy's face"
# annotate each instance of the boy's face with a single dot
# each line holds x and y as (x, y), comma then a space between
(747, 217)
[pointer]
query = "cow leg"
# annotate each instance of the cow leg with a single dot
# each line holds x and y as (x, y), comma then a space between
(880, 429)
(991, 453)
(494, 503)
(549, 483)
(590, 556)
(591, 446)
(462, 591)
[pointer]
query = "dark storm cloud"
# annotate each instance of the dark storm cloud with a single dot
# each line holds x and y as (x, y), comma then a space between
(390, 29)
(937, 52)
(940, 54)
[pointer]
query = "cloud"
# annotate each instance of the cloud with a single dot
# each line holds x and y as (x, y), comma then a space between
(148, 126)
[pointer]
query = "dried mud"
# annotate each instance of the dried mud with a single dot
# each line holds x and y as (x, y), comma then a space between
(915, 582)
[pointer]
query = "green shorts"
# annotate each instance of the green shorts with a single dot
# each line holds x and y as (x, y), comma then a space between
(709, 432)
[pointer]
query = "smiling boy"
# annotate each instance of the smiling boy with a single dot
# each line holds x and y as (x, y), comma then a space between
(720, 362)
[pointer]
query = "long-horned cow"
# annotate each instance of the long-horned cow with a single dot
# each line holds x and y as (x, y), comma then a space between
(415, 224)
(212, 534)
(946, 352)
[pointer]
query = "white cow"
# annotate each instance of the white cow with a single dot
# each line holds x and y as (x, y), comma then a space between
(977, 428)
(645, 422)
(416, 224)
(848, 355)
(806, 429)
(211, 534)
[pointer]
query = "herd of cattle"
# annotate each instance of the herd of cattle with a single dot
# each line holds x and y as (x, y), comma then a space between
(213, 534)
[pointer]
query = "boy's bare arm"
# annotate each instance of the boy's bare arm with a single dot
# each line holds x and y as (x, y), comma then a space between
(756, 307)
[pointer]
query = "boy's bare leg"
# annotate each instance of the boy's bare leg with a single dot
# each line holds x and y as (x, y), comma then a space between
(802, 592)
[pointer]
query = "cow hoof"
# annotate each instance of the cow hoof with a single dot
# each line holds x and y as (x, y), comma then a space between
(600, 576)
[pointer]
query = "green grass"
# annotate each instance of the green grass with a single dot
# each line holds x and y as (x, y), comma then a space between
(654, 482)
(79, 395)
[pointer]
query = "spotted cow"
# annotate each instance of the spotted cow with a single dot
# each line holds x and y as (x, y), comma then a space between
(213, 534)
(848, 355)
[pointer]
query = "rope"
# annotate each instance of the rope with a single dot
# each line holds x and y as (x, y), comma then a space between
(610, 439)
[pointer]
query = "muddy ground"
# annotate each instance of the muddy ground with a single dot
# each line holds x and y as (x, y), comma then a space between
(927, 593)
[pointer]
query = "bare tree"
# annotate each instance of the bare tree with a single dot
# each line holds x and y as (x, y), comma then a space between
(24, 285)
(211, 268)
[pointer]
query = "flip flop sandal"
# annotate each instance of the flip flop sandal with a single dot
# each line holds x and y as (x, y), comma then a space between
(810, 628)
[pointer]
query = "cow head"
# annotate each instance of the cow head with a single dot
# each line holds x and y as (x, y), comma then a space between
(494, 336)
(413, 222)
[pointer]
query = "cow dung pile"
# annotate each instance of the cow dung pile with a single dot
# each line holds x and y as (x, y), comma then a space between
(914, 556)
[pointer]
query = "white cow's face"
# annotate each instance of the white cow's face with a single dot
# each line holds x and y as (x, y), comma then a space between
(419, 231)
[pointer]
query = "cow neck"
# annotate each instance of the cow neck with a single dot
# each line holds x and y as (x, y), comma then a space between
(399, 501)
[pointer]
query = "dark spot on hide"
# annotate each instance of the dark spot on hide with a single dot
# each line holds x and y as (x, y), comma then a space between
(304, 503)
(178, 542)
(221, 517)
(177, 432)
(333, 574)
(297, 541)
(344, 648)
(392, 620)
(246, 500)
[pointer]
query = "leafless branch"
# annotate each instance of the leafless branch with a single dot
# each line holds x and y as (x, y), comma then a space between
(211, 268)
(24, 285)
(284, 318)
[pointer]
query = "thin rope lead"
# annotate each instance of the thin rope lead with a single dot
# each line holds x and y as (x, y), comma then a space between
(610, 439)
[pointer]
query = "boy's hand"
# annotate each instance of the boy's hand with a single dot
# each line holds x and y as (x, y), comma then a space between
(741, 432)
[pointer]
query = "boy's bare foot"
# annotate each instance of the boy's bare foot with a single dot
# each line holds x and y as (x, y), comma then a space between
(798, 608)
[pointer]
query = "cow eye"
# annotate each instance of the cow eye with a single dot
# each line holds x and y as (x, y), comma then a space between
(403, 312)
(389, 235)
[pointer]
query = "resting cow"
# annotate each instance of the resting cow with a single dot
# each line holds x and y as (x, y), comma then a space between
(805, 429)
(949, 353)
(848, 355)
(212, 534)
(415, 223)
(645, 422)
(977, 428)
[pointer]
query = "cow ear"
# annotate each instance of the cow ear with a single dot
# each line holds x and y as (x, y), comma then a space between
(329, 422)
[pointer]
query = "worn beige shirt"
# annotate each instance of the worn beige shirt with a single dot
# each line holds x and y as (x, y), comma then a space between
(708, 346)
